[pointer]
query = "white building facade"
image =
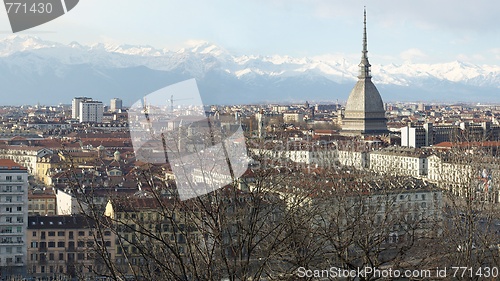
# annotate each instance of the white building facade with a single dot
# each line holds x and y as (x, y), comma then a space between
(91, 112)
(13, 217)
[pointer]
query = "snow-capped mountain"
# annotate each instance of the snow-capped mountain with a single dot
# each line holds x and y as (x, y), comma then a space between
(57, 72)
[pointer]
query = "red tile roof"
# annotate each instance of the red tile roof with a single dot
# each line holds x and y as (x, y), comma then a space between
(7, 164)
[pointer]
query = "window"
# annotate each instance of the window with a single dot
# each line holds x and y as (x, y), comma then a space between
(61, 256)
(81, 233)
(8, 199)
(60, 233)
(81, 256)
(8, 209)
(51, 256)
(19, 209)
(34, 244)
(81, 243)
(8, 178)
(8, 219)
(70, 235)
(52, 244)
(52, 233)
(19, 178)
(43, 245)
(107, 233)
(19, 219)
(61, 244)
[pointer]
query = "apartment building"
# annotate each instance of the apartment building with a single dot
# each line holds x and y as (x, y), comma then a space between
(70, 246)
(42, 201)
(13, 216)
(165, 222)
(399, 161)
(91, 112)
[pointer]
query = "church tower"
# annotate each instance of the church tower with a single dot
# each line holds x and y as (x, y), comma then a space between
(364, 111)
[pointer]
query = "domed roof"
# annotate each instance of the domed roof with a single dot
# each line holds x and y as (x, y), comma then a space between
(364, 97)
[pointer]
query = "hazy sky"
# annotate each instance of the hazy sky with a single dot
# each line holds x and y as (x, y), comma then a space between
(426, 31)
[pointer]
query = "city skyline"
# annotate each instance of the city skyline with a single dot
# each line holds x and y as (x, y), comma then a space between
(424, 32)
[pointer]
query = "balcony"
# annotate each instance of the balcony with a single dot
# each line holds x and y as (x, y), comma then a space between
(12, 191)
(11, 242)
(13, 223)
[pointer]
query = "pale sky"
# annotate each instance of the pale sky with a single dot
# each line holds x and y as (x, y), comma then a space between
(423, 31)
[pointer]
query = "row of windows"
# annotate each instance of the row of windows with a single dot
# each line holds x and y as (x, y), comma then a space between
(10, 229)
(11, 219)
(40, 207)
(9, 178)
(63, 233)
(60, 269)
(9, 209)
(9, 260)
(8, 199)
(9, 188)
(8, 250)
(62, 244)
(62, 256)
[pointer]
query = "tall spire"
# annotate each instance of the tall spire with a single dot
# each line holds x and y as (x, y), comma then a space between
(364, 65)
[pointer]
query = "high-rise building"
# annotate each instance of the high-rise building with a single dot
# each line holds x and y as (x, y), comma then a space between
(364, 111)
(91, 112)
(75, 106)
(115, 105)
(13, 217)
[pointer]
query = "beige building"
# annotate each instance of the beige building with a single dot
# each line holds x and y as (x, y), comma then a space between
(166, 224)
(42, 202)
(66, 245)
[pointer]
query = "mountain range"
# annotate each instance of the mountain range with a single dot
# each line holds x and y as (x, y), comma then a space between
(34, 70)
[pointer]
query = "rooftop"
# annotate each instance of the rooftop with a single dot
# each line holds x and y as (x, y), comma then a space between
(7, 164)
